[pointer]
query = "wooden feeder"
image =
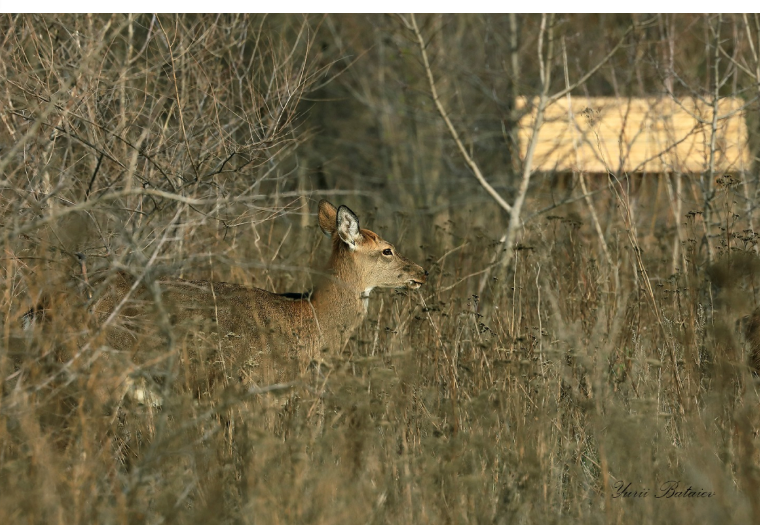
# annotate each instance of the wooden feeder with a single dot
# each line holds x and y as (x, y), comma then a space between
(636, 135)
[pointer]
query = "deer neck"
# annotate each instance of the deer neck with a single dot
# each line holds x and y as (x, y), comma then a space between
(340, 303)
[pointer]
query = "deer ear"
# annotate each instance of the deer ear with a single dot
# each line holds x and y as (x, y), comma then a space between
(348, 227)
(327, 217)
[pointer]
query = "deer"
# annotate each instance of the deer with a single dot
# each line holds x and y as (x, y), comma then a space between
(252, 319)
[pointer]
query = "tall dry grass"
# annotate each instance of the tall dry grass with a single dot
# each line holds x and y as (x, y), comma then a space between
(182, 146)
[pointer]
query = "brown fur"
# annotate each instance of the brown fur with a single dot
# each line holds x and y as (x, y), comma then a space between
(250, 319)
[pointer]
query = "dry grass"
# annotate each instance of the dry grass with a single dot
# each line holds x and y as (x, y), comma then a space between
(524, 398)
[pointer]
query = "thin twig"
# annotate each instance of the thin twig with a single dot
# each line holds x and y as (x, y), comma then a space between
(179, 104)
(452, 130)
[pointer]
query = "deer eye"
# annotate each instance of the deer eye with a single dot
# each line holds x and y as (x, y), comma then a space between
(387, 251)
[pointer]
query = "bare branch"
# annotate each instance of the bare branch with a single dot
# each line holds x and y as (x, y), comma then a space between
(444, 115)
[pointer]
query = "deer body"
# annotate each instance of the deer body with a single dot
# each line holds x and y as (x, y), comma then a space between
(251, 318)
